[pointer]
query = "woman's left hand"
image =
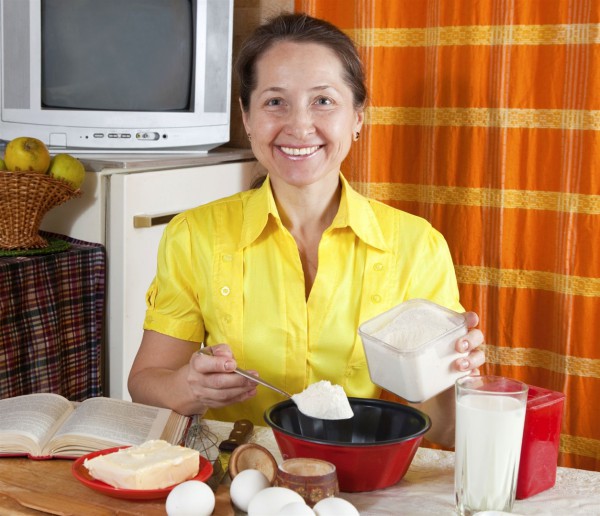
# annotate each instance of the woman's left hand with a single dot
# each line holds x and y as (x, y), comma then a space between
(441, 408)
(470, 344)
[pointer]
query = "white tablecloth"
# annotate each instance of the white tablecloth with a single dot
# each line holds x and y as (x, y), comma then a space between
(428, 486)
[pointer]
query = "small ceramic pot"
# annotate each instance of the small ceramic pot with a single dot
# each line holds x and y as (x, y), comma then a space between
(313, 479)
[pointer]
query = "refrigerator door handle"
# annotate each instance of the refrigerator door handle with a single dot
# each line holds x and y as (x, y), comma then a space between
(148, 221)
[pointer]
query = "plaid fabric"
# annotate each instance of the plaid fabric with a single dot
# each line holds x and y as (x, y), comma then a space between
(51, 322)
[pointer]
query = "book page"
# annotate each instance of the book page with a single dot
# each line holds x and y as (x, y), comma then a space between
(100, 423)
(34, 417)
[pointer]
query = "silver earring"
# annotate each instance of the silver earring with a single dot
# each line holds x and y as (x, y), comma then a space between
(356, 135)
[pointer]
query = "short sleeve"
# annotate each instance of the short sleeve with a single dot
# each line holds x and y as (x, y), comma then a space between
(434, 277)
(172, 305)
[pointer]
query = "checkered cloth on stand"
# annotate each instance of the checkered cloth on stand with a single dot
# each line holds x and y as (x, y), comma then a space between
(51, 321)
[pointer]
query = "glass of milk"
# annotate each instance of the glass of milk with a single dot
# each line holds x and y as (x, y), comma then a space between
(490, 416)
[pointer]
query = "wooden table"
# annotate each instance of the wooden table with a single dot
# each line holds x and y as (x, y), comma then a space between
(427, 488)
(28, 487)
(50, 486)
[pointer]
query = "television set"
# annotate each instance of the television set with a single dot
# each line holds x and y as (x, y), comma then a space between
(116, 75)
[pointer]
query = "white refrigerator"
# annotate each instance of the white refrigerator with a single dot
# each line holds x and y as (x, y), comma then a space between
(125, 205)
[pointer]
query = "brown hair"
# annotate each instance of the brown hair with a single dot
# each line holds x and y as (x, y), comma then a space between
(299, 28)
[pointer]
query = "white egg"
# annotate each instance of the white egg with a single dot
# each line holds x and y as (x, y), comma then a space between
(245, 485)
(295, 509)
(269, 501)
(191, 498)
(334, 506)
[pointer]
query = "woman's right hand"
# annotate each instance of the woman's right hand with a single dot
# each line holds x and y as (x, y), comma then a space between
(169, 372)
(212, 381)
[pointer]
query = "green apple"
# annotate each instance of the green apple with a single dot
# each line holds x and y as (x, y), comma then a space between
(2, 164)
(67, 168)
(27, 154)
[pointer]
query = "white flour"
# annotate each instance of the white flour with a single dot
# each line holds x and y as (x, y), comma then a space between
(414, 327)
(323, 400)
(418, 358)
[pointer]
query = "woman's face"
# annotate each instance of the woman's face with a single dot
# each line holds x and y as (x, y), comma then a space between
(302, 117)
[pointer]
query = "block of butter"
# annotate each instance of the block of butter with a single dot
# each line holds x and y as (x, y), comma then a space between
(152, 465)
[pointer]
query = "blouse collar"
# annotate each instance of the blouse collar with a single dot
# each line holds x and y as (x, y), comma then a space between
(355, 212)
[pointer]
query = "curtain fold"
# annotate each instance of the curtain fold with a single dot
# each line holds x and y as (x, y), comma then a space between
(484, 118)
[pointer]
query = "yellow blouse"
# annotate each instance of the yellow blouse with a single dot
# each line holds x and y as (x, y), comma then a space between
(230, 272)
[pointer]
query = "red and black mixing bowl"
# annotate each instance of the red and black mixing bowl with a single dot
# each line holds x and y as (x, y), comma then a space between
(371, 450)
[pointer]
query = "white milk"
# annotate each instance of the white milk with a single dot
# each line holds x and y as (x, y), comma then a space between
(489, 432)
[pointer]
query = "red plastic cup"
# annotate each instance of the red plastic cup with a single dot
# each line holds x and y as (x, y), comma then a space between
(541, 436)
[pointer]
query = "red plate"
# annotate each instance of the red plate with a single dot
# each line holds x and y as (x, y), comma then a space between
(81, 473)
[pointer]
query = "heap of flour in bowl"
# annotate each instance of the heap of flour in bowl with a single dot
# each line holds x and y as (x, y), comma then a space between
(323, 400)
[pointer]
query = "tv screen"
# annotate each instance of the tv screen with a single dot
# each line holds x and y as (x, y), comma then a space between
(141, 60)
(117, 75)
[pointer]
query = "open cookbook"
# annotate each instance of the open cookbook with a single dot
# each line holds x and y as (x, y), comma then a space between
(43, 426)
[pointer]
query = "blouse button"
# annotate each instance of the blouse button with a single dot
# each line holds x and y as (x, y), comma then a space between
(225, 291)
(227, 258)
(378, 267)
(376, 298)
(227, 318)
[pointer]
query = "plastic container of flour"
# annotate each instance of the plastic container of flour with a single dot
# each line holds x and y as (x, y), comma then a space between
(410, 349)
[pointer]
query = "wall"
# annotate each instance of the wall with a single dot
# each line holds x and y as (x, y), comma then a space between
(248, 14)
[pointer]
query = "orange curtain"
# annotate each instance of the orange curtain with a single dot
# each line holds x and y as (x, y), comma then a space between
(484, 118)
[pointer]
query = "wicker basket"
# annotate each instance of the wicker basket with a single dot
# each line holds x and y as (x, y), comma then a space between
(25, 197)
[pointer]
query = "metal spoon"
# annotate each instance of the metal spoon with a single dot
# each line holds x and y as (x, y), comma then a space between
(246, 374)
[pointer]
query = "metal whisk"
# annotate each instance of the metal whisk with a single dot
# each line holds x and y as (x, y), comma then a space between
(199, 437)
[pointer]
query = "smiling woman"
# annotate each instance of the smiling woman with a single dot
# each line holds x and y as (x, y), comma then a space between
(278, 278)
